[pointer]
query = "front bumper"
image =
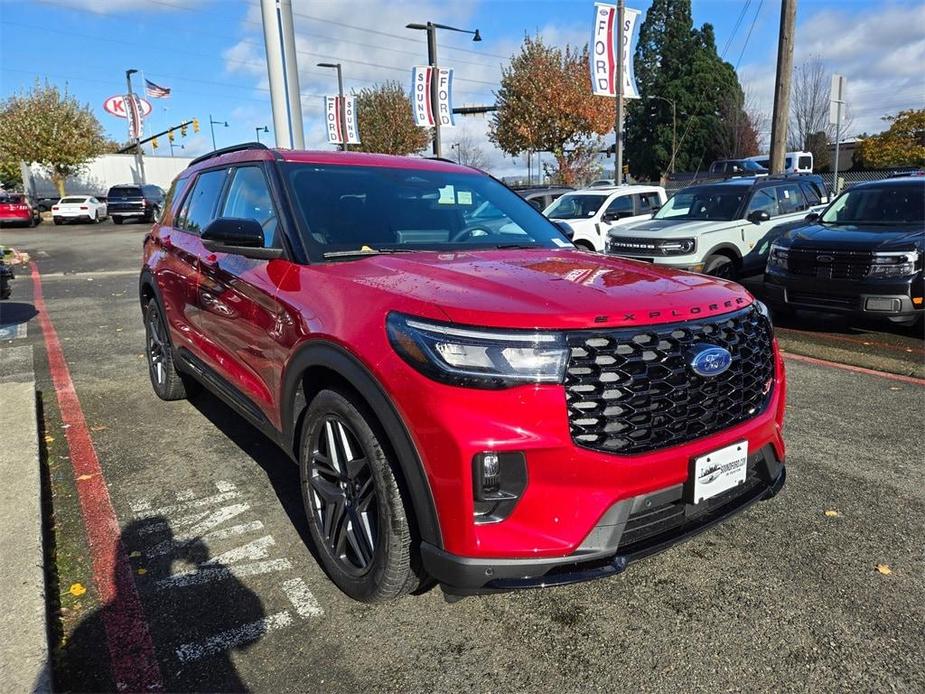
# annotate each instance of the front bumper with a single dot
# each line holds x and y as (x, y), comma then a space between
(631, 529)
(895, 298)
(24, 218)
(687, 265)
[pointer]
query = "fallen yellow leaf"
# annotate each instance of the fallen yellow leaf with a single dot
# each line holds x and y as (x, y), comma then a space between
(49, 439)
(884, 569)
(77, 590)
(142, 571)
(134, 554)
(84, 477)
(832, 514)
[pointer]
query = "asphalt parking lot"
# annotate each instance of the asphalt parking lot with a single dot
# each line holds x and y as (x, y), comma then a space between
(787, 596)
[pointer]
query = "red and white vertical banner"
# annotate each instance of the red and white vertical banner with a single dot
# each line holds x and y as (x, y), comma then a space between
(333, 107)
(332, 119)
(604, 51)
(134, 115)
(421, 107)
(444, 108)
(350, 113)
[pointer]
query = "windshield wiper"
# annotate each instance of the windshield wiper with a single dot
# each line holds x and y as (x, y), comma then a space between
(361, 253)
(518, 245)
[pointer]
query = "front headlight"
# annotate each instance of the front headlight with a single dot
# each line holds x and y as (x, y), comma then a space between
(893, 264)
(778, 257)
(764, 311)
(477, 357)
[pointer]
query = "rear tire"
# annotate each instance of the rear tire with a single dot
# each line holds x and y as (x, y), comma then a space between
(167, 382)
(117, 220)
(58, 221)
(356, 516)
(720, 266)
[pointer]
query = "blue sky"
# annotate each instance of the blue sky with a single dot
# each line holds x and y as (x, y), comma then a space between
(210, 52)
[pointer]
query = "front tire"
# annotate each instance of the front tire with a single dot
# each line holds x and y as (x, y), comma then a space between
(117, 220)
(720, 266)
(167, 382)
(356, 515)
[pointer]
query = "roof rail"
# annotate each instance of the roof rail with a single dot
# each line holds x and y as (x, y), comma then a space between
(228, 150)
(448, 161)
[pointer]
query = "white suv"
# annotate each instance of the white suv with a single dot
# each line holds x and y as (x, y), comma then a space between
(711, 228)
(593, 211)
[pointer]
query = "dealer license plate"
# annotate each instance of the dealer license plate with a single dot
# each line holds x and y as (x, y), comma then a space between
(720, 470)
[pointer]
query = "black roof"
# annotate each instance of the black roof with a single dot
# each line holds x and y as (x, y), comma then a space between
(911, 180)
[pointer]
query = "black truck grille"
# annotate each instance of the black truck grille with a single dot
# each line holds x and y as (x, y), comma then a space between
(839, 265)
(633, 391)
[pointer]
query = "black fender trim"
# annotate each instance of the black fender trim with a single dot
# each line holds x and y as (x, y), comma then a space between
(319, 353)
(724, 247)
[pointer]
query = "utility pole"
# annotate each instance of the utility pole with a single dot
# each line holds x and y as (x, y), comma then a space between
(837, 99)
(283, 71)
(788, 15)
(133, 109)
(618, 126)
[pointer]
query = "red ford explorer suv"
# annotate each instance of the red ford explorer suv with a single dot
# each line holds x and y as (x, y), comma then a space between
(484, 407)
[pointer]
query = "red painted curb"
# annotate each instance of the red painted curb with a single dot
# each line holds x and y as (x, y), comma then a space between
(131, 650)
(855, 369)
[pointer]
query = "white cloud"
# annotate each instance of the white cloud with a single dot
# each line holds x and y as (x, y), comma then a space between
(880, 52)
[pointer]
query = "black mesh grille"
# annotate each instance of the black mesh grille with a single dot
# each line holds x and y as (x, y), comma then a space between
(632, 390)
(845, 265)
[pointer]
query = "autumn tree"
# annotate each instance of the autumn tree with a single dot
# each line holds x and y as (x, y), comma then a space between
(545, 104)
(903, 144)
(386, 122)
(51, 128)
(809, 128)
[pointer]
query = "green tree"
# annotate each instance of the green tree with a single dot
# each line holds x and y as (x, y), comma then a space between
(674, 61)
(903, 144)
(50, 128)
(386, 121)
(10, 175)
(545, 104)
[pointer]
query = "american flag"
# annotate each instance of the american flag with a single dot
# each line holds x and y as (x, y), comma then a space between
(156, 91)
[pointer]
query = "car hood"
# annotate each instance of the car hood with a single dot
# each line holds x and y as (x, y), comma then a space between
(675, 228)
(852, 237)
(543, 288)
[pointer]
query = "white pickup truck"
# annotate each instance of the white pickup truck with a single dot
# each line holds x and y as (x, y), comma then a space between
(711, 228)
(592, 211)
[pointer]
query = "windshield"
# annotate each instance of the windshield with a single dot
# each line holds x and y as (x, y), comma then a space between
(898, 204)
(704, 202)
(12, 199)
(575, 206)
(354, 208)
(125, 193)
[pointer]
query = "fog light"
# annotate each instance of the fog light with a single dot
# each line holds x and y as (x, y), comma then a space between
(491, 472)
(498, 481)
(882, 304)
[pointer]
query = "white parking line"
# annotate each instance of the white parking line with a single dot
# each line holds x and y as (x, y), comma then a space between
(225, 640)
(198, 503)
(224, 486)
(302, 598)
(186, 494)
(197, 577)
(13, 331)
(253, 550)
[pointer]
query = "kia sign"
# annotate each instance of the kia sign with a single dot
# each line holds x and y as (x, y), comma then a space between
(604, 51)
(115, 105)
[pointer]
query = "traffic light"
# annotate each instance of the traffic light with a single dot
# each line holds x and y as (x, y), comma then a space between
(183, 130)
(154, 143)
(195, 125)
(170, 135)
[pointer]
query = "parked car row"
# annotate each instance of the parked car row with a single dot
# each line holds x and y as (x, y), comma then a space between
(123, 203)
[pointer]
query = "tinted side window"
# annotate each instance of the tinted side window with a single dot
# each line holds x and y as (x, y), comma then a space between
(763, 199)
(622, 206)
(811, 193)
(806, 163)
(647, 201)
(176, 191)
(199, 208)
(249, 198)
(790, 198)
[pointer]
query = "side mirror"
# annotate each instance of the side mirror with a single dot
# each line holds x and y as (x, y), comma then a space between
(811, 217)
(238, 236)
(758, 216)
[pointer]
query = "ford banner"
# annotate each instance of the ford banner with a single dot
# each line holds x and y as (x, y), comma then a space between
(421, 76)
(603, 61)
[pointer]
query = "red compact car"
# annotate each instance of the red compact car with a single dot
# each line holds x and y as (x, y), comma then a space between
(473, 403)
(18, 209)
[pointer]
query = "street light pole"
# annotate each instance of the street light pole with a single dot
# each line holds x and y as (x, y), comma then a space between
(431, 29)
(343, 103)
(259, 130)
(131, 108)
(212, 124)
(618, 126)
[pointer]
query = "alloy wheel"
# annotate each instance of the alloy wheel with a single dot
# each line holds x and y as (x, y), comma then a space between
(156, 347)
(342, 494)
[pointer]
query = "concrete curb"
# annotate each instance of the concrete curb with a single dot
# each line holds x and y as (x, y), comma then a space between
(24, 651)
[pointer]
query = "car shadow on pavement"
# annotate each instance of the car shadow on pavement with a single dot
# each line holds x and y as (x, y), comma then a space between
(197, 614)
(13, 313)
(281, 471)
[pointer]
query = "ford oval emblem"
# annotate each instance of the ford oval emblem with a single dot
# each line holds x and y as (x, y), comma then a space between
(824, 258)
(709, 360)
